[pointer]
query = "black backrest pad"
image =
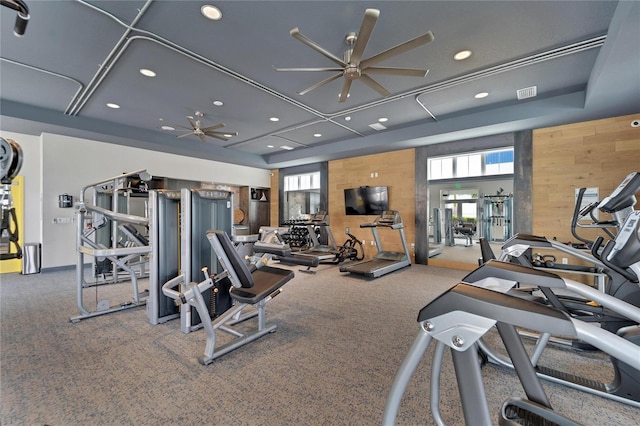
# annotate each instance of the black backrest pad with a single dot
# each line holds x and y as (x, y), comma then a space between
(238, 265)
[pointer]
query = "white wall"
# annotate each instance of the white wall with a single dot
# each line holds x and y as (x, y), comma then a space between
(62, 164)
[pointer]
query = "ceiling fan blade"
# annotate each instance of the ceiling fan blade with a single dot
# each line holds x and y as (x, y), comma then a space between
(195, 124)
(346, 87)
(309, 69)
(366, 28)
(322, 83)
(202, 138)
(215, 126)
(396, 50)
(374, 85)
(410, 72)
(214, 134)
(295, 33)
(185, 135)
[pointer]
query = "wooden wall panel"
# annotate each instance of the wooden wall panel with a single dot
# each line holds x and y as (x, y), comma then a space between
(395, 170)
(275, 198)
(597, 153)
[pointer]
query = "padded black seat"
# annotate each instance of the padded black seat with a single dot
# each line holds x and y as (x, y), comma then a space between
(266, 280)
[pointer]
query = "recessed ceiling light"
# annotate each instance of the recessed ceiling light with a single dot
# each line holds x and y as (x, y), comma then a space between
(383, 119)
(274, 119)
(113, 106)
(317, 135)
(481, 95)
(269, 146)
(348, 95)
(218, 103)
(463, 54)
(167, 128)
(347, 118)
(377, 126)
(211, 12)
(287, 147)
(147, 73)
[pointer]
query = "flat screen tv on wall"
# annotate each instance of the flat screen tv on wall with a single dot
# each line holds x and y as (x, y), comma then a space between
(366, 200)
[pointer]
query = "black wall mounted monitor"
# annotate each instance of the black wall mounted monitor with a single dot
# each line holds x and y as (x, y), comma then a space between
(366, 200)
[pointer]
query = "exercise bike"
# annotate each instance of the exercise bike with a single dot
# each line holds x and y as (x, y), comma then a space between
(351, 249)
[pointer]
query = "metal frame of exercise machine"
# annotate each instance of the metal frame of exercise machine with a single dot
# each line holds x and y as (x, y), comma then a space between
(623, 254)
(383, 262)
(501, 276)
(250, 288)
(619, 204)
(459, 318)
(164, 261)
(200, 211)
(87, 214)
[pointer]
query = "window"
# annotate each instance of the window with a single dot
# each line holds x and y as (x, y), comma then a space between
(302, 182)
(468, 165)
(499, 162)
(486, 163)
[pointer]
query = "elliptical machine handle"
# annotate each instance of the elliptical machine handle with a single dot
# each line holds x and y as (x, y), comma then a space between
(603, 257)
(596, 246)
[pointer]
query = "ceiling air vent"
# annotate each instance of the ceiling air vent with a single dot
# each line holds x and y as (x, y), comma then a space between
(377, 126)
(527, 92)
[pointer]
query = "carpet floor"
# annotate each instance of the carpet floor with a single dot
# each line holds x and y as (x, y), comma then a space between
(339, 343)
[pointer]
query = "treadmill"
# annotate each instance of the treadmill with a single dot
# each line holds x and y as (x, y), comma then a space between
(317, 251)
(383, 262)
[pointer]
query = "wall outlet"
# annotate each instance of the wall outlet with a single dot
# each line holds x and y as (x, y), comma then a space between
(565, 261)
(346, 230)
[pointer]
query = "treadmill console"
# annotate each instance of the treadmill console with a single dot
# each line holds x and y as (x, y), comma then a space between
(388, 218)
(319, 218)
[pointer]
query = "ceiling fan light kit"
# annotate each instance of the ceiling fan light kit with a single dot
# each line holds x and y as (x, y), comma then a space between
(352, 67)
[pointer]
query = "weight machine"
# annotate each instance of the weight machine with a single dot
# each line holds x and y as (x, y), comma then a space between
(10, 163)
(122, 254)
(201, 210)
(497, 211)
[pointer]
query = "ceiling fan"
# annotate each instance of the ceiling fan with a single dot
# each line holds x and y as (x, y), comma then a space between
(197, 129)
(353, 67)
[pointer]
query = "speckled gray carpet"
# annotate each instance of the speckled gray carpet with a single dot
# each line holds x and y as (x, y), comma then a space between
(339, 342)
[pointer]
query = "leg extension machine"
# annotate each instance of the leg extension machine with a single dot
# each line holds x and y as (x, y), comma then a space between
(251, 287)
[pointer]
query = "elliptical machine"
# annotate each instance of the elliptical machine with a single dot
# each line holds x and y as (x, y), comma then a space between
(622, 254)
(621, 283)
(461, 316)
